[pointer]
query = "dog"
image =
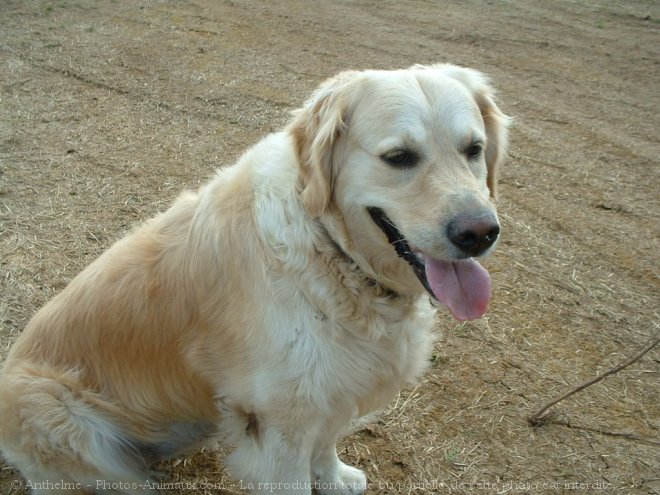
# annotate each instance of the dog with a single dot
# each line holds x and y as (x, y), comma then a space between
(272, 309)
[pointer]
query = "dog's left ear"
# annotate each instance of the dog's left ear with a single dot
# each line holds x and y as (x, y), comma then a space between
(497, 134)
(495, 121)
(315, 129)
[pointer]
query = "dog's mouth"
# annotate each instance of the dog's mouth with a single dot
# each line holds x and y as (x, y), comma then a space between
(463, 285)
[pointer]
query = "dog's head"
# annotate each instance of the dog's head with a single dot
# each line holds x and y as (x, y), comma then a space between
(403, 165)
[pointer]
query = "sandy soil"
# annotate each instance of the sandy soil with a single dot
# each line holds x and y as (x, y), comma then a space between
(109, 109)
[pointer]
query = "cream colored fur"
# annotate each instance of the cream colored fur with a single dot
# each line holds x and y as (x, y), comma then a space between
(267, 311)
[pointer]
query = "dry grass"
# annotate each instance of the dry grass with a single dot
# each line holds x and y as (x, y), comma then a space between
(108, 111)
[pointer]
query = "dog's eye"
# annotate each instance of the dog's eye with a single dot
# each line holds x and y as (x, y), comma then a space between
(474, 151)
(402, 158)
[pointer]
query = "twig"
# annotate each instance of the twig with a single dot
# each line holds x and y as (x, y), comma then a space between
(17, 83)
(538, 418)
(626, 436)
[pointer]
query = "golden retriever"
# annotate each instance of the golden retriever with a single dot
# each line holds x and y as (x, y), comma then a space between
(276, 306)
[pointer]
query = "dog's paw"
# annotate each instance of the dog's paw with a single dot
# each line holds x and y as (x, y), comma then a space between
(348, 481)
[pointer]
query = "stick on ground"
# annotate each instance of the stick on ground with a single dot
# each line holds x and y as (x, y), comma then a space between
(538, 419)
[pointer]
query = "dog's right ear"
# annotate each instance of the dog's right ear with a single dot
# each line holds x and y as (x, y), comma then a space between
(315, 130)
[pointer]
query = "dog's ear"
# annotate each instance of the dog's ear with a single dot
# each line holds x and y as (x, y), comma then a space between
(497, 134)
(495, 121)
(315, 129)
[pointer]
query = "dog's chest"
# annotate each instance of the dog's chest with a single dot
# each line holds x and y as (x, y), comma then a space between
(358, 364)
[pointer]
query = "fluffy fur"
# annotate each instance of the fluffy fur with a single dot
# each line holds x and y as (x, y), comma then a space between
(267, 310)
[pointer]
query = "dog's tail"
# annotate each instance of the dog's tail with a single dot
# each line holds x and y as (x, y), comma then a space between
(54, 430)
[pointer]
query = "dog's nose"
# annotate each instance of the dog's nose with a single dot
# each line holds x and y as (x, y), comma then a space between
(473, 235)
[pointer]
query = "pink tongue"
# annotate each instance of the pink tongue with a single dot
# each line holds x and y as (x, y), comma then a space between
(463, 286)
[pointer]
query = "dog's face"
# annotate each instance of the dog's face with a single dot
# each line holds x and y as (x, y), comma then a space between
(406, 162)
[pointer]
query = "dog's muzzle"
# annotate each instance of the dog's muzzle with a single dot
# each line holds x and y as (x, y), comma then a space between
(461, 284)
(400, 244)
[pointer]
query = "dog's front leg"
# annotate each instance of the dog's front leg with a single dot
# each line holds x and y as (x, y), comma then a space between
(273, 460)
(331, 475)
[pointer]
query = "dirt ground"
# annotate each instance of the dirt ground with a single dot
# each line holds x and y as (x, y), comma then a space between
(108, 109)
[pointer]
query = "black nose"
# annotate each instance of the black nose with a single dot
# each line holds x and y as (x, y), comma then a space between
(473, 235)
